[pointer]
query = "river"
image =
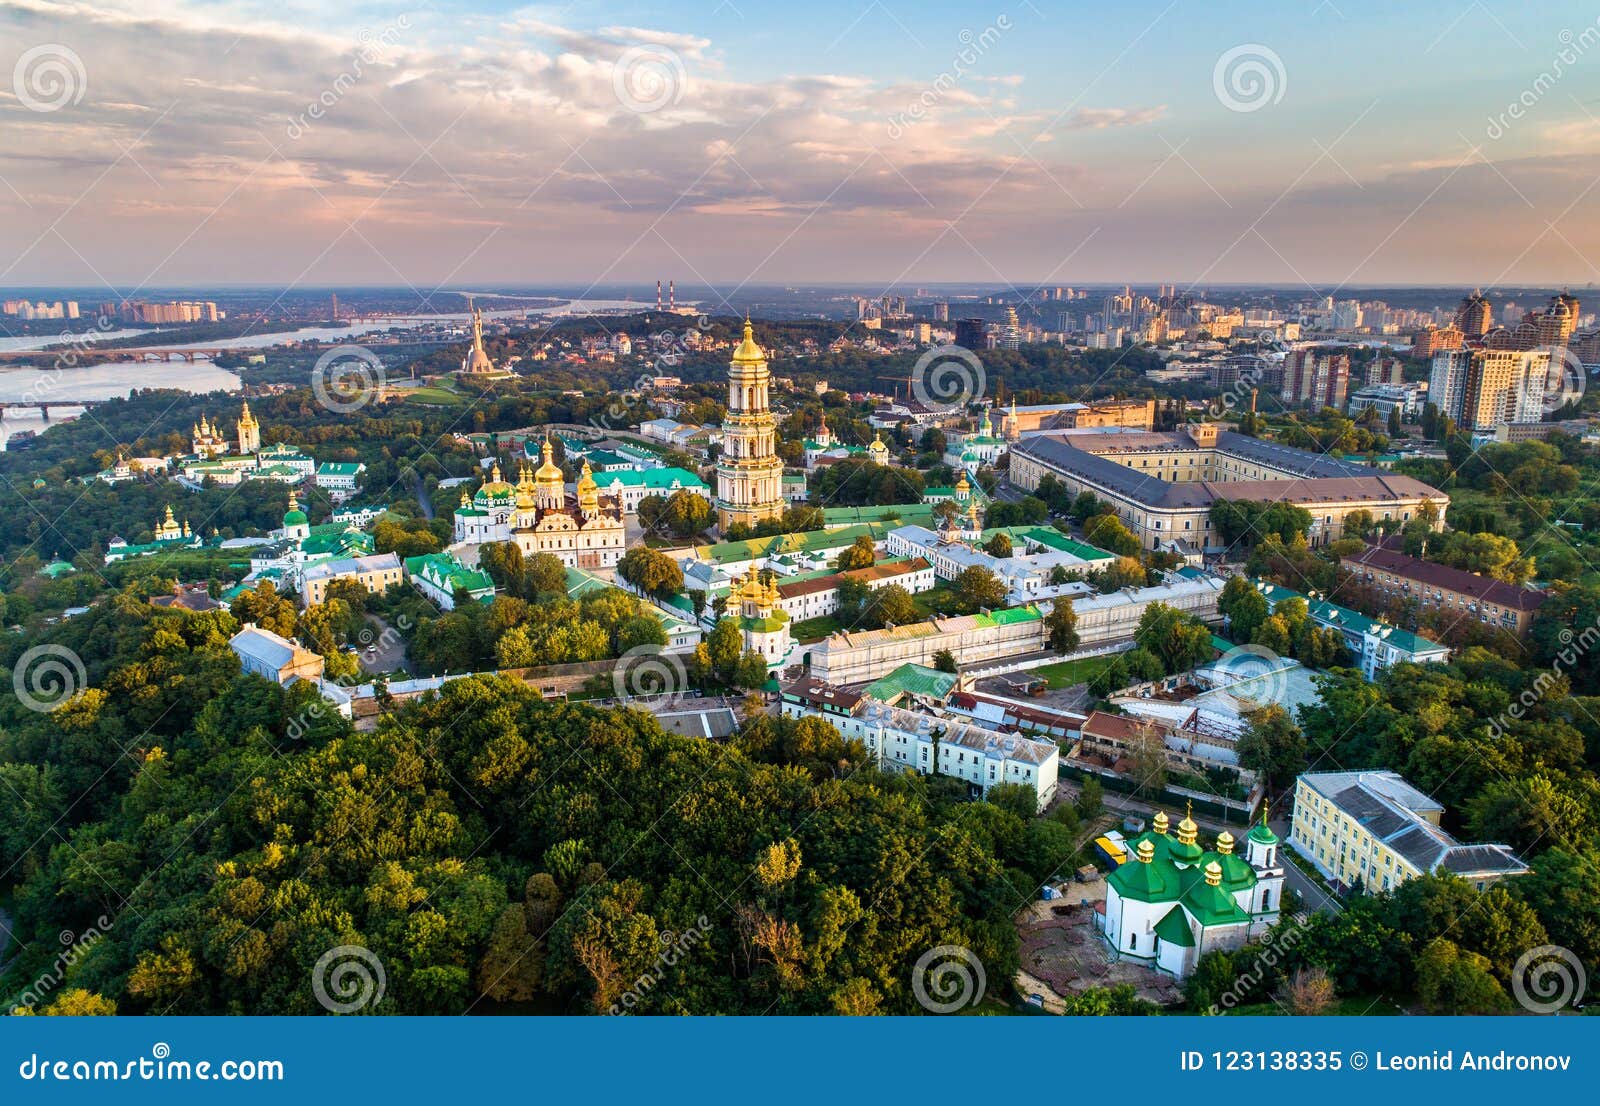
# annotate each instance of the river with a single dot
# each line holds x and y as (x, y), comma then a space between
(107, 381)
(25, 385)
(84, 329)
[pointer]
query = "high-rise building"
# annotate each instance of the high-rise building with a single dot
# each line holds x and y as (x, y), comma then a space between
(1474, 317)
(972, 334)
(1316, 376)
(1010, 336)
(1385, 370)
(1502, 386)
(941, 312)
(1447, 383)
(749, 472)
(1430, 340)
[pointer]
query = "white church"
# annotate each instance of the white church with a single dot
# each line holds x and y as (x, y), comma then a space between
(1171, 902)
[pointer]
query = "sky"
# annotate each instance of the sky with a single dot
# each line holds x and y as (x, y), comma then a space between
(1327, 144)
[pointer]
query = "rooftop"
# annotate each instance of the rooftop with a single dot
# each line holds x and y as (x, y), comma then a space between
(1485, 589)
(1397, 814)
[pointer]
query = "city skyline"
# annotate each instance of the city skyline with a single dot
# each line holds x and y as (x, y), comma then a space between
(161, 145)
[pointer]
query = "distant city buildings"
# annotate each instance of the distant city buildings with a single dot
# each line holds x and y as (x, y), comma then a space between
(23, 309)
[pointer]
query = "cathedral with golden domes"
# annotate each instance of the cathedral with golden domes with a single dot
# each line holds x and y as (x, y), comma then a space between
(1172, 902)
(749, 471)
(583, 530)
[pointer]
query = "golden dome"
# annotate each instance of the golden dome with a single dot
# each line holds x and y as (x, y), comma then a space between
(1146, 852)
(1214, 874)
(877, 445)
(588, 490)
(1161, 823)
(748, 352)
(525, 500)
(549, 471)
(963, 484)
(1225, 843)
(1187, 828)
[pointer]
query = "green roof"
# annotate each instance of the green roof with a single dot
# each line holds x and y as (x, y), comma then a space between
(1156, 881)
(1174, 928)
(338, 468)
(810, 541)
(444, 570)
(768, 625)
(913, 679)
(1237, 875)
(1010, 616)
(1052, 538)
(901, 514)
(1211, 905)
(1262, 833)
(1332, 614)
(662, 479)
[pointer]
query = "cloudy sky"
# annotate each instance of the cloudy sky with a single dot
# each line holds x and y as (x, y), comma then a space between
(149, 142)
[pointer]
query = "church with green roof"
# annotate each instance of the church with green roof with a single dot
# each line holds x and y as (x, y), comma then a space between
(1172, 902)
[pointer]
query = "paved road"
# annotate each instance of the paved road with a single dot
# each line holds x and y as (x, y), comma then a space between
(382, 648)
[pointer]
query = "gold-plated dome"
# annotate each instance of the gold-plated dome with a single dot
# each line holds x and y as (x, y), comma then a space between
(549, 471)
(1214, 874)
(1146, 852)
(1187, 828)
(1225, 843)
(748, 352)
(1161, 823)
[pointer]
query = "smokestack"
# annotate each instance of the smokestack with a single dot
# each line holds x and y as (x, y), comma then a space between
(672, 295)
(658, 295)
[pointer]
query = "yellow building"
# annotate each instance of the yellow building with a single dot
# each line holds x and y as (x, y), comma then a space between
(377, 573)
(1374, 830)
(749, 471)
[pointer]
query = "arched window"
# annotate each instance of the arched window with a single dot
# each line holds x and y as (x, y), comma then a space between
(1266, 901)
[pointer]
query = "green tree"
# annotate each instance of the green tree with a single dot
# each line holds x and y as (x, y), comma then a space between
(859, 554)
(1061, 626)
(651, 571)
(976, 587)
(1272, 746)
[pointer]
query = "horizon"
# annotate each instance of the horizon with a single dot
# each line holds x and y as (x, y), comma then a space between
(474, 141)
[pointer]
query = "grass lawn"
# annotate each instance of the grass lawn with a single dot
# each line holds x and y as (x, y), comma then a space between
(815, 629)
(443, 397)
(1066, 673)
